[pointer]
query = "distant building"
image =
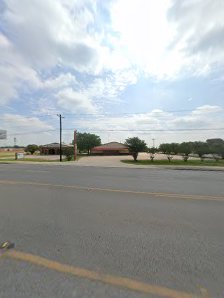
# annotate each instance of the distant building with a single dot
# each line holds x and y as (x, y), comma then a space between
(112, 148)
(12, 149)
(52, 149)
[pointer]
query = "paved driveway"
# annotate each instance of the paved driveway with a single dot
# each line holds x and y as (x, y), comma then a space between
(115, 161)
(105, 161)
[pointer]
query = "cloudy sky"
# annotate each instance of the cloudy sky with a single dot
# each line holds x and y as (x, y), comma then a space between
(118, 68)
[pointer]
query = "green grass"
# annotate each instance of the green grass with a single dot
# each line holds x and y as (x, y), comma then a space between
(27, 159)
(37, 160)
(7, 154)
(219, 163)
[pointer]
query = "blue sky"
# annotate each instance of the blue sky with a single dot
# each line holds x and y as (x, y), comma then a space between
(118, 68)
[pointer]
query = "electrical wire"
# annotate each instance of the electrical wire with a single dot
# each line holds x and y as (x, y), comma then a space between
(123, 130)
(156, 112)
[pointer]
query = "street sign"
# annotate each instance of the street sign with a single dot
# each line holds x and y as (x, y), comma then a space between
(3, 134)
(19, 155)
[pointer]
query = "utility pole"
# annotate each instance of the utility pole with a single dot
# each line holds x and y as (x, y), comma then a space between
(75, 145)
(60, 117)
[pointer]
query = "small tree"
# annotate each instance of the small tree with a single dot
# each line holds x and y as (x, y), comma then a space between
(185, 148)
(31, 148)
(68, 152)
(135, 146)
(169, 157)
(166, 149)
(152, 152)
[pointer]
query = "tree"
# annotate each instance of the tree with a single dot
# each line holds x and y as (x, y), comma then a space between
(185, 148)
(216, 147)
(135, 146)
(166, 148)
(152, 152)
(217, 141)
(31, 148)
(200, 148)
(174, 147)
(86, 141)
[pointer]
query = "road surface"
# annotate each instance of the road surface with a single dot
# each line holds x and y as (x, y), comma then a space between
(111, 232)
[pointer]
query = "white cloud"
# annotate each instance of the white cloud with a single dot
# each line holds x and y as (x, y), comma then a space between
(60, 81)
(14, 121)
(43, 106)
(152, 124)
(13, 71)
(111, 86)
(207, 109)
(4, 42)
(61, 34)
(119, 127)
(165, 38)
(74, 101)
(26, 129)
(199, 29)
(57, 34)
(143, 33)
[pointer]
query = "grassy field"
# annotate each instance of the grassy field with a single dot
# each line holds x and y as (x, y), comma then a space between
(37, 160)
(7, 154)
(8, 160)
(26, 159)
(219, 163)
(10, 157)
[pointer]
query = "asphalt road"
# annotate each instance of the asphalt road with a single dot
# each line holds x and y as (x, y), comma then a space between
(163, 230)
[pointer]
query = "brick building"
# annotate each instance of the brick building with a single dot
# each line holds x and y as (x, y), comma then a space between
(112, 148)
(52, 149)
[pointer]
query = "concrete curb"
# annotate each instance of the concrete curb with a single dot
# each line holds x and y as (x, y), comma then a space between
(196, 168)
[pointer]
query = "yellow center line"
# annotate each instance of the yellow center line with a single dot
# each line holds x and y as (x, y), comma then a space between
(117, 281)
(154, 194)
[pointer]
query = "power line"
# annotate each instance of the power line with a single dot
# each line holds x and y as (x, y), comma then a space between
(148, 113)
(137, 130)
(121, 130)
(111, 114)
(130, 113)
(31, 132)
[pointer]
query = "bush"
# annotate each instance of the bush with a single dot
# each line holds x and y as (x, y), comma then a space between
(69, 153)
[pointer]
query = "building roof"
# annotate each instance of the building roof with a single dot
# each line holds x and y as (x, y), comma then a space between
(55, 145)
(111, 146)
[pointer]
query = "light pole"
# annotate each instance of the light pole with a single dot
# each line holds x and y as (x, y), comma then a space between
(153, 140)
(75, 145)
(60, 117)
